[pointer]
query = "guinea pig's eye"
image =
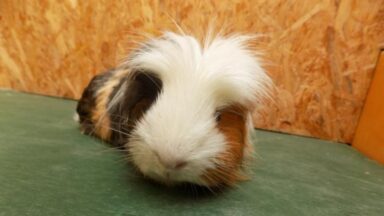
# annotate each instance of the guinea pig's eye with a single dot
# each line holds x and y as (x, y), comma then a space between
(218, 116)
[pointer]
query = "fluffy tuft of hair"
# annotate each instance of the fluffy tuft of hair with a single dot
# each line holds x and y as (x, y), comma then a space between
(229, 68)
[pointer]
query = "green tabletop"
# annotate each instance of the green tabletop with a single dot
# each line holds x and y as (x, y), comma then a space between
(48, 168)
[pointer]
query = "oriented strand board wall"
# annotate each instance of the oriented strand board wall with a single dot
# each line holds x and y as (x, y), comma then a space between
(320, 53)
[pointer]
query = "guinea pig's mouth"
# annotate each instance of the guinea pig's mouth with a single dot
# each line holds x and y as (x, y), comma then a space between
(173, 178)
(166, 178)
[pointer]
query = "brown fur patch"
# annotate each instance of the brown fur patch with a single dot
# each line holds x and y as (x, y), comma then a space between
(138, 110)
(233, 124)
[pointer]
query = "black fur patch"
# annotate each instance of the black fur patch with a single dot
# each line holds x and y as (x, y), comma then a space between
(140, 91)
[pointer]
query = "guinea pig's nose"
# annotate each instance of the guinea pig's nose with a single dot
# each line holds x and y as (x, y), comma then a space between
(180, 164)
(174, 164)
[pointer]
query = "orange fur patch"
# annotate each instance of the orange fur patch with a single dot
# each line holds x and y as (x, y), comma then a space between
(100, 115)
(233, 124)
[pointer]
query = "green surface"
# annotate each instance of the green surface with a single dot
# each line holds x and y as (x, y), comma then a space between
(48, 168)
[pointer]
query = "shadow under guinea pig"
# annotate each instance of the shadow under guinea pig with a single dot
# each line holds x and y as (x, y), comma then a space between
(180, 192)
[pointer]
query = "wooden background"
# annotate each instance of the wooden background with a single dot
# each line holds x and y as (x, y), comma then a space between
(321, 54)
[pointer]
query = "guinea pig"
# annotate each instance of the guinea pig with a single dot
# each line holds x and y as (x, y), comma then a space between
(181, 109)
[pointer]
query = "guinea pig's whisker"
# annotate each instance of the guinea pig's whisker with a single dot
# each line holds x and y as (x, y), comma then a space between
(212, 190)
(113, 129)
(118, 131)
(138, 43)
(113, 149)
(124, 159)
(135, 155)
(193, 189)
(138, 33)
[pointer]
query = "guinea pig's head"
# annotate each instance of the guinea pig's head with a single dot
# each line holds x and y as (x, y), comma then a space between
(196, 129)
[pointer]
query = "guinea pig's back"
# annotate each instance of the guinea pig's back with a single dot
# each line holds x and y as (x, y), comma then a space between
(114, 101)
(92, 108)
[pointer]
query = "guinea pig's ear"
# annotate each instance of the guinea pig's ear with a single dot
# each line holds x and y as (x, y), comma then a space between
(129, 101)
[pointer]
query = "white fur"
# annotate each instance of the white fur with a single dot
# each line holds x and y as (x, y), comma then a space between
(76, 117)
(197, 81)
